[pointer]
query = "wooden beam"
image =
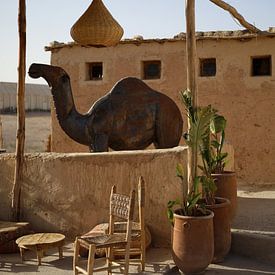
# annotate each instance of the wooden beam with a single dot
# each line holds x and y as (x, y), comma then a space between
(1, 134)
(191, 55)
(236, 15)
(20, 137)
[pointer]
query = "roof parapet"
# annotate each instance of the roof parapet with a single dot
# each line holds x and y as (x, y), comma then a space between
(215, 35)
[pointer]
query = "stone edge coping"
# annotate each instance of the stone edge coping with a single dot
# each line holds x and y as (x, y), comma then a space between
(113, 154)
(260, 234)
(210, 35)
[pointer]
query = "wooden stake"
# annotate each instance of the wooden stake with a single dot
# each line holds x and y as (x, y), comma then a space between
(20, 137)
(191, 54)
(236, 15)
(1, 134)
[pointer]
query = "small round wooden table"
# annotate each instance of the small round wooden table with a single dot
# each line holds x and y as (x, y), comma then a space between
(39, 243)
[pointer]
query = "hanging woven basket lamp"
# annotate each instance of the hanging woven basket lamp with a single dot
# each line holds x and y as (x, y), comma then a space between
(97, 27)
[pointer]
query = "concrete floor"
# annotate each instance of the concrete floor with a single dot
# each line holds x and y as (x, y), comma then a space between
(158, 261)
(258, 220)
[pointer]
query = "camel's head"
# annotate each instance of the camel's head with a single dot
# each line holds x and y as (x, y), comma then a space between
(36, 70)
(50, 73)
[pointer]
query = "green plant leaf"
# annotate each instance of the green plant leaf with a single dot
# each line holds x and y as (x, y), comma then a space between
(170, 215)
(170, 211)
(199, 131)
(193, 200)
(218, 124)
(171, 204)
(222, 138)
(215, 144)
(196, 185)
(223, 156)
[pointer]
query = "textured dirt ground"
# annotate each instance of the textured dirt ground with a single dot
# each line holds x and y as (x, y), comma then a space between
(37, 131)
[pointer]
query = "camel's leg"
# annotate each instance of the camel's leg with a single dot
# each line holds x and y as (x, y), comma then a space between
(100, 143)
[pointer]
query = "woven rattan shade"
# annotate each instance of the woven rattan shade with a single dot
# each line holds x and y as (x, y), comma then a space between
(97, 27)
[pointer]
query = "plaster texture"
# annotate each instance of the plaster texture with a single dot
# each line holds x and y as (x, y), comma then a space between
(69, 193)
(246, 101)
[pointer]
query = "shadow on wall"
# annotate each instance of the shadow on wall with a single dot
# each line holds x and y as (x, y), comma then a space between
(69, 193)
(45, 214)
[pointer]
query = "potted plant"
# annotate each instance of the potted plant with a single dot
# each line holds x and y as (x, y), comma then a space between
(225, 180)
(192, 223)
(219, 205)
(192, 229)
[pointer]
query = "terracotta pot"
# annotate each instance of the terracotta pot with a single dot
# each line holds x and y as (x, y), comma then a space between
(222, 228)
(192, 242)
(227, 188)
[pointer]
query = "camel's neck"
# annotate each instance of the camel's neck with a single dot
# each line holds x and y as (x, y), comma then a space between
(72, 122)
(59, 81)
(63, 98)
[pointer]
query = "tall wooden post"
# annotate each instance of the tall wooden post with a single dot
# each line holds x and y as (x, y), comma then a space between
(191, 54)
(20, 137)
(1, 134)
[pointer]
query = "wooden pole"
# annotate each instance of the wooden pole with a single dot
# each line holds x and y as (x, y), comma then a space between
(236, 15)
(191, 78)
(20, 137)
(1, 134)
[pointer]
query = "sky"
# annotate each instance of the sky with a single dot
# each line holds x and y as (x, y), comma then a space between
(51, 20)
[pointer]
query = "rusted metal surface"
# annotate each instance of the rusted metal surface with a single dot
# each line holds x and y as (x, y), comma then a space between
(129, 117)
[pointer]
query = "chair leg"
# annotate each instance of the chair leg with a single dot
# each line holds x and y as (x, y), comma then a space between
(60, 252)
(76, 255)
(110, 254)
(143, 253)
(91, 259)
(22, 254)
(127, 256)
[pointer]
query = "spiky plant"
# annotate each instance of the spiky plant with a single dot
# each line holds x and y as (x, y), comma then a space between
(198, 140)
(217, 128)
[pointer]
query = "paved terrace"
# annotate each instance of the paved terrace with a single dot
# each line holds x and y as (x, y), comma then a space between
(158, 261)
(253, 236)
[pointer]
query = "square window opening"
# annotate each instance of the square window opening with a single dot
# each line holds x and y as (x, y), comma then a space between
(151, 69)
(95, 71)
(208, 67)
(261, 66)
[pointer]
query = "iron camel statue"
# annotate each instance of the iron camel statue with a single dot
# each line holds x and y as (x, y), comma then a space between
(129, 117)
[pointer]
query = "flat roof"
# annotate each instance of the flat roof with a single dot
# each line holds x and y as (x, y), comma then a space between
(209, 35)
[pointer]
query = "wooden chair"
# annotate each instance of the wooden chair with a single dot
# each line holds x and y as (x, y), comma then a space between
(138, 231)
(138, 239)
(122, 207)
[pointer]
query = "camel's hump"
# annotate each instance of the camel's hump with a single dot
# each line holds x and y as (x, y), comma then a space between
(131, 85)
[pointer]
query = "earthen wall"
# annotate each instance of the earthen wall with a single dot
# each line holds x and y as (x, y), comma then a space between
(247, 102)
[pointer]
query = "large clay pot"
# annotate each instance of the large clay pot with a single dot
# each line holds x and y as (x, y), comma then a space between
(192, 242)
(222, 228)
(227, 188)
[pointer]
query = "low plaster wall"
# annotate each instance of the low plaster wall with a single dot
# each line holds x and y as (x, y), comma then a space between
(69, 193)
